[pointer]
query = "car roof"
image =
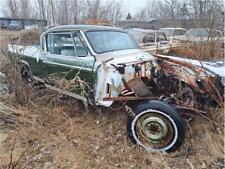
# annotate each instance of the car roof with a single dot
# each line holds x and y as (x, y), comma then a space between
(203, 29)
(139, 34)
(142, 30)
(172, 28)
(81, 27)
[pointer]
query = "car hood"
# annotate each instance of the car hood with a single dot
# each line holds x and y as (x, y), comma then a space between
(124, 56)
(212, 68)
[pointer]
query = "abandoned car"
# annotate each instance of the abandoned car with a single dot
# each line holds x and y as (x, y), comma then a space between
(205, 36)
(153, 41)
(14, 25)
(110, 66)
(174, 33)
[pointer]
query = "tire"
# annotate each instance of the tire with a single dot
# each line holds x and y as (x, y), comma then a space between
(155, 126)
(26, 73)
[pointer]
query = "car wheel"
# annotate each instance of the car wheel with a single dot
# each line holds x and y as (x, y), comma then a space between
(26, 73)
(155, 126)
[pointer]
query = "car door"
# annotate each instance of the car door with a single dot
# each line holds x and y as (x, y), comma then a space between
(161, 39)
(149, 40)
(66, 58)
(162, 42)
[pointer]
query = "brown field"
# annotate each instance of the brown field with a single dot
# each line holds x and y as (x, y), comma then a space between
(42, 129)
(203, 51)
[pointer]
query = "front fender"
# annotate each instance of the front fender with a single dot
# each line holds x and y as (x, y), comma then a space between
(107, 77)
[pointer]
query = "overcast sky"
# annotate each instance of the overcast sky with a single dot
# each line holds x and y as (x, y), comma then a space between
(131, 6)
(2, 4)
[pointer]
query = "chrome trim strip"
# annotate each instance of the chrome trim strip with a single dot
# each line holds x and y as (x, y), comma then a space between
(70, 66)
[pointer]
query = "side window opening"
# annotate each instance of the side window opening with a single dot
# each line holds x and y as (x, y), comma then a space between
(65, 44)
(161, 37)
(80, 49)
(179, 32)
(183, 32)
(149, 38)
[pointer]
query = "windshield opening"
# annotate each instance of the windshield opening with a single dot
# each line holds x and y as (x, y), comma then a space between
(106, 41)
(168, 32)
(198, 32)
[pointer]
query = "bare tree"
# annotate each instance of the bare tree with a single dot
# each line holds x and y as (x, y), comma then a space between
(183, 11)
(114, 11)
(168, 8)
(75, 11)
(25, 9)
(207, 13)
(149, 11)
(42, 9)
(51, 13)
(65, 11)
(19, 9)
(93, 7)
(61, 12)
(141, 15)
(152, 8)
(12, 10)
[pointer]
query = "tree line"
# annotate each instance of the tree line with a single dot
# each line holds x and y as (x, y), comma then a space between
(64, 11)
(204, 12)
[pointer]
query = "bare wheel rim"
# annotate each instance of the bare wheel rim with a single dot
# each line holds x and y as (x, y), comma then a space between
(26, 74)
(153, 127)
(154, 130)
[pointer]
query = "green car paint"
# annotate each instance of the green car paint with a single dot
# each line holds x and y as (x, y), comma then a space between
(48, 62)
(51, 73)
(37, 69)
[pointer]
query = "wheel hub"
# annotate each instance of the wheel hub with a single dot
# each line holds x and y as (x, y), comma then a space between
(154, 128)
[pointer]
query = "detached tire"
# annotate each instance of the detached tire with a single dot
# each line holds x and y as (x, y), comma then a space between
(155, 126)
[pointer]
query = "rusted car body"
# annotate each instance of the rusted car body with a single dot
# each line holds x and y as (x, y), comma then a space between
(207, 37)
(174, 33)
(203, 34)
(155, 89)
(153, 41)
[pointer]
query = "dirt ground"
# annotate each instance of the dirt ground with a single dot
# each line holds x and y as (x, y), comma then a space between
(41, 129)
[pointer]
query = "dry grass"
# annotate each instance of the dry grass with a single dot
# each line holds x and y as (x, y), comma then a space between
(52, 130)
(27, 37)
(210, 50)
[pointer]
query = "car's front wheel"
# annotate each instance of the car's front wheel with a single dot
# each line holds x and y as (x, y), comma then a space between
(155, 126)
